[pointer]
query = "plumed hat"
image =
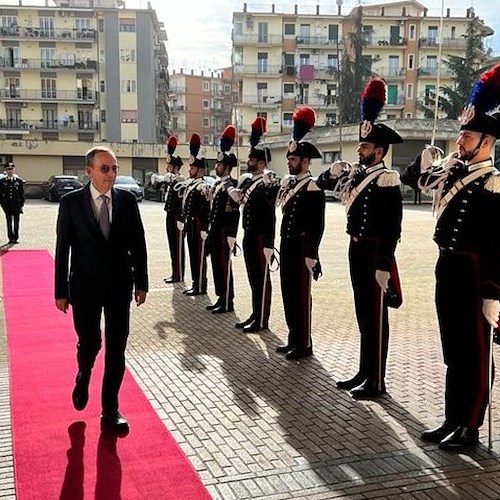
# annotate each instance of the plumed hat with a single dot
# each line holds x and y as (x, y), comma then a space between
(258, 128)
(303, 119)
(372, 102)
(226, 143)
(484, 98)
(194, 149)
(171, 159)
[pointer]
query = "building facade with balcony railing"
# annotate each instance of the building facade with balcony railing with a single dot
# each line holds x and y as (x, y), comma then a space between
(71, 71)
(401, 41)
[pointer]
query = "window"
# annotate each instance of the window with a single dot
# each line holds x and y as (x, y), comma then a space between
(206, 122)
(453, 32)
(412, 32)
(431, 65)
(304, 33)
(206, 139)
(262, 114)
(129, 86)
(46, 25)
(12, 84)
(288, 88)
(103, 115)
(83, 24)
(47, 57)
(330, 156)
(100, 25)
(333, 62)
(409, 115)
(127, 25)
(49, 118)
(262, 62)
(331, 120)
(393, 65)
(411, 61)
(392, 94)
(127, 55)
(238, 56)
(227, 88)
(304, 59)
(262, 36)
(432, 33)
(262, 92)
(429, 93)
(287, 119)
(333, 32)
(205, 86)
(48, 88)
(128, 116)
(238, 27)
(102, 86)
(368, 34)
(289, 29)
(206, 104)
(409, 91)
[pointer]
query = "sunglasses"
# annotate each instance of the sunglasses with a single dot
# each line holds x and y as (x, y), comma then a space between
(9, 168)
(106, 168)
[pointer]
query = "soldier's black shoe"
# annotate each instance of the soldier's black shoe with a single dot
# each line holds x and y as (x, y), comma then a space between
(351, 383)
(367, 390)
(246, 322)
(254, 327)
(283, 349)
(223, 309)
(80, 395)
(115, 421)
(299, 353)
(210, 307)
(460, 439)
(437, 434)
(171, 279)
(186, 290)
(194, 292)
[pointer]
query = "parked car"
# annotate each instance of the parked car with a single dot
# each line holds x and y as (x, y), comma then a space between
(128, 183)
(57, 185)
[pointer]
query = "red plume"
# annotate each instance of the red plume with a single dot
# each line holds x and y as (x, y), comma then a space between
(372, 99)
(259, 127)
(304, 119)
(171, 144)
(194, 145)
(228, 137)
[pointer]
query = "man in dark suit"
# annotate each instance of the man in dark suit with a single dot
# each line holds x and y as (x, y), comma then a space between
(102, 230)
(12, 200)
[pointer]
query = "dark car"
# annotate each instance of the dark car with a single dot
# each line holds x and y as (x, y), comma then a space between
(57, 185)
(128, 183)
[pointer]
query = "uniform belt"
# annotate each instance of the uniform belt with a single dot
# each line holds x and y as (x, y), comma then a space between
(451, 251)
(291, 236)
(359, 239)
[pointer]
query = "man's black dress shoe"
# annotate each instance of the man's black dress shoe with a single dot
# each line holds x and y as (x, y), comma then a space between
(171, 279)
(210, 307)
(246, 322)
(367, 390)
(115, 421)
(80, 394)
(223, 309)
(460, 439)
(186, 290)
(283, 349)
(437, 434)
(193, 292)
(351, 383)
(299, 353)
(254, 327)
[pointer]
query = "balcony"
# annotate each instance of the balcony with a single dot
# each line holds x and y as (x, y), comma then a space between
(432, 71)
(261, 101)
(48, 33)
(66, 125)
(258, 69)
(314, 41)
(397, 41)
(257, 39)
(57, 64)
(390, 72)
(79, 96)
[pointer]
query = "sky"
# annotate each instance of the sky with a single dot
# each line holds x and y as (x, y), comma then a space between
(199, 31)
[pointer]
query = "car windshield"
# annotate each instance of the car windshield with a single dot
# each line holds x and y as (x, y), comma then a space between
(124, 179)
(67, 182)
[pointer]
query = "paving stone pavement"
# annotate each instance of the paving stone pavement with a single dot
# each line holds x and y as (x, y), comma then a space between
(257, 426)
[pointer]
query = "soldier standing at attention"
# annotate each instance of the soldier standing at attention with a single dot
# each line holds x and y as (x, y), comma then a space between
(224, 219)
(12, 200)
(372, 195)
(302, 226)
(173, 206)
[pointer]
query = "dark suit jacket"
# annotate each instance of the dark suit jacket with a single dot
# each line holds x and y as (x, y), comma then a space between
(98, 265)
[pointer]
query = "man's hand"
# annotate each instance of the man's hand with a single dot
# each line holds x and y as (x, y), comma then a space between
(337, 168)
(310, 263)
(204, 235)
(140, 297)
(491, 311)
(180, 225)
(382, 278)
(268, 254)
(231, 241)
(62, 304)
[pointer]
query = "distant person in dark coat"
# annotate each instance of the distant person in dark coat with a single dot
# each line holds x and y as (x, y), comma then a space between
(12, 200)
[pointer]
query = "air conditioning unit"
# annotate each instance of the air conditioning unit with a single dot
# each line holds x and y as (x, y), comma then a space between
(315, 51)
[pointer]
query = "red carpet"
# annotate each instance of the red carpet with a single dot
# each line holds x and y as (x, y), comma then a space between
(59, 453)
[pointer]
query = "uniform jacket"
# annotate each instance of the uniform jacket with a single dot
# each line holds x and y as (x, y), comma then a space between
(173, 202)
(224, 211)
(12, 193)
(96, 263)
(195, 203)
(258, 209)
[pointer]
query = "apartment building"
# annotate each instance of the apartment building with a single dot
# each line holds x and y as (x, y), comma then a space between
(76, 73)
(200, 104)
(283, 60)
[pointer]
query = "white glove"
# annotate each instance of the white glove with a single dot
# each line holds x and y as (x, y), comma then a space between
(169, 177)
(337, 168)
(180, 225)
(286, 180)
(231, 241)
(266, 178)
(268, 254)
(491, 311)
(382, 278)
(310, 263)
(204, 235)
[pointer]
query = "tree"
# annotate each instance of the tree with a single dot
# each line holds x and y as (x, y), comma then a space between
(465, 71)
(355, 71)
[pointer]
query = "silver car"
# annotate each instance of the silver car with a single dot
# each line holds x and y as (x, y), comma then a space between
(128, 183)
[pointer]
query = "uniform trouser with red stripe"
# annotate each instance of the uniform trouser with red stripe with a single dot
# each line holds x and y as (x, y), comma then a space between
(255, 261)
(296, 292)
(464, 338)
(175, 246)
(197, 254)
(219, 255)
(374, 335)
